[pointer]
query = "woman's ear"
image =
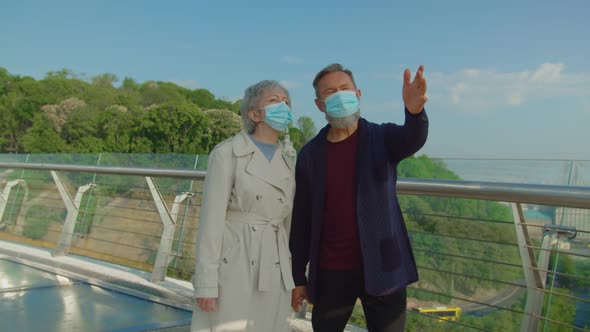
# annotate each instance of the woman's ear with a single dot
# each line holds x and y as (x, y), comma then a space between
(256, 115)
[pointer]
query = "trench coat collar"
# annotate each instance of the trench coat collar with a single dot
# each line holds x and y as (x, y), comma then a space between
(276, 172)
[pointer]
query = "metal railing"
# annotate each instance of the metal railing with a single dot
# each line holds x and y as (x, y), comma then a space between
(130, 223)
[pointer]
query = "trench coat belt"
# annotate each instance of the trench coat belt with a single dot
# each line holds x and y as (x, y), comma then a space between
(273, 232)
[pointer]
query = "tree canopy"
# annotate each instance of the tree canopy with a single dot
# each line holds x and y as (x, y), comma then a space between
(67, 113)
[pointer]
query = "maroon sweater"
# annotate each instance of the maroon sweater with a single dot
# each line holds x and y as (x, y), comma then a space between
(340, 247)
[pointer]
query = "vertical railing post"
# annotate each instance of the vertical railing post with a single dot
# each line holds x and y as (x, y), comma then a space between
(4, 197)
(535, 281)
(169, 221)
(72, 206)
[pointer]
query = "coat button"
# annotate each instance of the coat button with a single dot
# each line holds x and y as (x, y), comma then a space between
(281, 199)
(258, 197)
(254, 228)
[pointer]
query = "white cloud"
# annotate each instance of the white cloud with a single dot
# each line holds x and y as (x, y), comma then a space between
(471, 72)
(290, 84)
(456, 92)
(516, 99)
(482, 90)
(292, 60)
(548, 72)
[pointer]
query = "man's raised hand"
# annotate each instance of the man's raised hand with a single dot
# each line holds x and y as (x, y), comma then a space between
(414, 93)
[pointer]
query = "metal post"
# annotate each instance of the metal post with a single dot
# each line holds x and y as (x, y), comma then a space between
(181, 229)
(5, 194)
(83, 223)
(453, 283)
(534, 300)
(572, 179)
(169, 220)
(72, 206)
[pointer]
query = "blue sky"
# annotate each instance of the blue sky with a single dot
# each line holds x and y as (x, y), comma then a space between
(507, 79)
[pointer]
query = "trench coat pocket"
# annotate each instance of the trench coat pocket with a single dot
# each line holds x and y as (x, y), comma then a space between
(230, 245)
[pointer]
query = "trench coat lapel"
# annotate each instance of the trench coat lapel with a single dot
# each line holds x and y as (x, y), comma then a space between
(276, 172)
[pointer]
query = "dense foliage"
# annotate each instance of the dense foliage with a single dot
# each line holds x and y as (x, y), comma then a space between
(65, 113)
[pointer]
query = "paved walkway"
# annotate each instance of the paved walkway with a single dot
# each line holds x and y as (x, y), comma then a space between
(174, 291)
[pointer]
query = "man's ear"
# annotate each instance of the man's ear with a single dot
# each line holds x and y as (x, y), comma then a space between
(359, 94)
(320, 105)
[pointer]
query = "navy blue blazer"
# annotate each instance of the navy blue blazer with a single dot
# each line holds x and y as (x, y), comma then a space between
(388, 261)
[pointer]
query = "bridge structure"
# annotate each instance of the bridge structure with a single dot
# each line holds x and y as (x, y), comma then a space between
(474, 246)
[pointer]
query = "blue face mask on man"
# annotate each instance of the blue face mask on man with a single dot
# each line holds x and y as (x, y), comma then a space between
(342, 104)
(278, 116)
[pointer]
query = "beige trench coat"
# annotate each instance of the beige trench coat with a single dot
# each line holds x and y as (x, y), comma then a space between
(243, 254)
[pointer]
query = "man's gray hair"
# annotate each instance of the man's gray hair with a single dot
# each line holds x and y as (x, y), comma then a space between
(251, 100)
(331, 69)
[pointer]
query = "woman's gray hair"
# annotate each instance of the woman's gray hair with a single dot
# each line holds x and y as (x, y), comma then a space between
(251, 100)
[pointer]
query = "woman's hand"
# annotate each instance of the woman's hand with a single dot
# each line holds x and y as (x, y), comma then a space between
(207, 304)
(298, 294)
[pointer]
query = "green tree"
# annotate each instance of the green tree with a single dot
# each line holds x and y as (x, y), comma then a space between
(307, 127)
(18, 106)
(561, 309)
(176, 127)
(128, 94)
(105, 80)
(157, 93)
(42, 137)
(296, 137)
(115, 125)
(224, 124)
(203, 98)
(235, 106)
(5, 80)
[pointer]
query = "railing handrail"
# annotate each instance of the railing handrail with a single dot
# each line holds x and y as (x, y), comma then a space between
(566, 196)
(540, 194)
(112, 170)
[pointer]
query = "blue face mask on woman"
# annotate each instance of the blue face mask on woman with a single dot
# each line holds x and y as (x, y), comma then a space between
(342, 104)
(278, 116)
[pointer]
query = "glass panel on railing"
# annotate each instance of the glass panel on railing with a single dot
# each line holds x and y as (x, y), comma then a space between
(468, 261)
(551, 172)
(117, 219)
(583, 173)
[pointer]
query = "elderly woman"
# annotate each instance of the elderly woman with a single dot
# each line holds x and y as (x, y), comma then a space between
(243, 275)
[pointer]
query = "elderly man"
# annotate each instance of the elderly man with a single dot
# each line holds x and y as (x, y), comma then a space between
(347, 223)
